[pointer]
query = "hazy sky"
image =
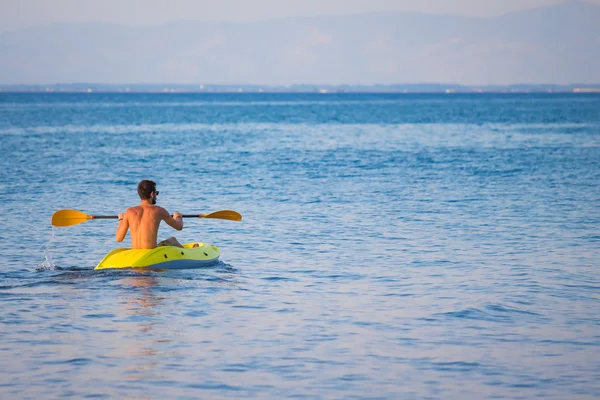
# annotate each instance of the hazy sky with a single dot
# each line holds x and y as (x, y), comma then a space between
(22, 13)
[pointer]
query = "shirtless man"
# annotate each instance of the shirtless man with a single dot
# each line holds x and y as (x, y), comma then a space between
(143, 220)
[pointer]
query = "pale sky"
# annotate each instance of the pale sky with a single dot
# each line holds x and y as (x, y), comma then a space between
(24, 13)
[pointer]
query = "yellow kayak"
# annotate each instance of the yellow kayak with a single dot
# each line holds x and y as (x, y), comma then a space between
(165, 257)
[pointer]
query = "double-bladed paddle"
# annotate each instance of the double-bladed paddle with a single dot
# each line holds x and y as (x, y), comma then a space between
(74, 217)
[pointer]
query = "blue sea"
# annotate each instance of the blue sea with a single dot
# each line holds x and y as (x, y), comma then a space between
(393, 246)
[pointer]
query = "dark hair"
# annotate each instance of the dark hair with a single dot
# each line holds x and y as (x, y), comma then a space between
(145, 189)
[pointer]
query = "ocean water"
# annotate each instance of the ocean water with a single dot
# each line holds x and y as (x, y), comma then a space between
(392, 246)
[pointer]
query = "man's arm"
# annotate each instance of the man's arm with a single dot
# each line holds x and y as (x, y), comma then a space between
(176, 221)
(123, 227)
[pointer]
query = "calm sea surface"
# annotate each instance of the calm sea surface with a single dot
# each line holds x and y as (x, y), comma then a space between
(393, 246)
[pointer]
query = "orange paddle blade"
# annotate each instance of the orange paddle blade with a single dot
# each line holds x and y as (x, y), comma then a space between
(69, 218)
(224, 214)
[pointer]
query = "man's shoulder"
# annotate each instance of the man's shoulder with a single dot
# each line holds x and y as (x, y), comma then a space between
(133, 209)
(159, 210)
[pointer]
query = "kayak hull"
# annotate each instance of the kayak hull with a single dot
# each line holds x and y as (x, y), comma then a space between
(164, 257)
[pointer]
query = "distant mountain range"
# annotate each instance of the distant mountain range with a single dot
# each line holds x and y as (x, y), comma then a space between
(558, 44)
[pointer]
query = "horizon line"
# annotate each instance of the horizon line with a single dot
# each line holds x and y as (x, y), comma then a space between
(399, 88)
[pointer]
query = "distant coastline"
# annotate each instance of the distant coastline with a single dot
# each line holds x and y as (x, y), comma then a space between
(324, 89)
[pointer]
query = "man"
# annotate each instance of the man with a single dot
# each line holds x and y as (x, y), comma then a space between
(143, 220)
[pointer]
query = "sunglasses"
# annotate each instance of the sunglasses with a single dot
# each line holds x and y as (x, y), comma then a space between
(156, 192)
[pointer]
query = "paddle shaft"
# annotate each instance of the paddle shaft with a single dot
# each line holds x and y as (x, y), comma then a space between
(116, 216)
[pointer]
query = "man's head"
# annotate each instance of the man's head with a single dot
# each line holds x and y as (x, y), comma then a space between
(147, 191)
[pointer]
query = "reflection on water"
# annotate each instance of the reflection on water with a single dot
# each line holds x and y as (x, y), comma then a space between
(149, 299)
(142, 305)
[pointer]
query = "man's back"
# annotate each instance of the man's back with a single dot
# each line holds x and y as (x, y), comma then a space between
(143, 220)
(143, 223)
